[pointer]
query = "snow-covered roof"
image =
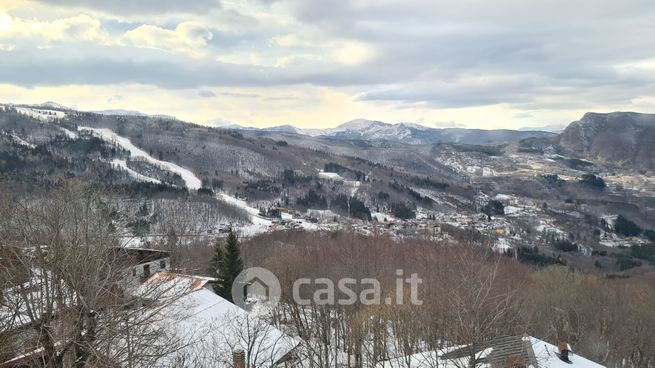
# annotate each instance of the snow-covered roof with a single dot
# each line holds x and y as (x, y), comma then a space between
(547, 357)
(210, 328)
(541, 354)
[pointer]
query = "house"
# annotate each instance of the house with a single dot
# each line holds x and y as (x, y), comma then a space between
(504, 352)
(209, 329)
(141, 263)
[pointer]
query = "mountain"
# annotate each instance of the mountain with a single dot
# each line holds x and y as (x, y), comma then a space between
(624, 139)
(53, 105)
(553, 128)
(407, 133)
(121, 112)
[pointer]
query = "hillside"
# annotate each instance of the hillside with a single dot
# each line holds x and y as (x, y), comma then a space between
(539, 200)
(624, 139)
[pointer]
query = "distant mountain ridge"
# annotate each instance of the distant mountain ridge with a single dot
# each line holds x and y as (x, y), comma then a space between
(409, 133)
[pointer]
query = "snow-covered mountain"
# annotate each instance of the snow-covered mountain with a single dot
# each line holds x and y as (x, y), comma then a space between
(121, 112)
(409, 133)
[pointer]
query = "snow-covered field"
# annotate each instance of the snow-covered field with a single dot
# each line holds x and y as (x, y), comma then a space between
(329, 175)
(41, 114)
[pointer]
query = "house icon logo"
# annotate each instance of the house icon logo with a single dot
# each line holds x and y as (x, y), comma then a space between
(256, 285)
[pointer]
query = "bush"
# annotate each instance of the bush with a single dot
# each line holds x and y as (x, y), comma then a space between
(383, 196)
(625, 227)
(593, 181)
(332, 167)
(493, 208)
(402, 211)
(206, 191)
(626, 263)
(531, 256)
(553, 179)
(565, 246)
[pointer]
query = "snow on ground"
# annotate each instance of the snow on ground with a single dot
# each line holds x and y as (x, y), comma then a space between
(259, 224)
(380, 217)
(191, 181)
(68, 133)
(551, 229)
(41, 114)
(513, 210)
(123, 165)
(503, 197)
(501, 245)
(21, 142)
(329, 175)
(354, 185)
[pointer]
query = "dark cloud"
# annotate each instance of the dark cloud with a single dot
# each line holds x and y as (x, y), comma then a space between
(206, 93)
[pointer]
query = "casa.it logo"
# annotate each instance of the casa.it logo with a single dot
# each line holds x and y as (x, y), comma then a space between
(256, 285)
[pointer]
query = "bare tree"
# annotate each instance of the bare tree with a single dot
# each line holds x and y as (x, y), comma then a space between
(69, 300)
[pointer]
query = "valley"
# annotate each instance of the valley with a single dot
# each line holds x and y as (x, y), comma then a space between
(538, 205)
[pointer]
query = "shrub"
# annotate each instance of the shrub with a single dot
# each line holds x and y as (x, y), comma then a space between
(402, 211)
(552, 179)
(625, 227)
(493, 208)
(532, 256)
(626, 263)
(206, 191)
(565, 246)
(593, 181)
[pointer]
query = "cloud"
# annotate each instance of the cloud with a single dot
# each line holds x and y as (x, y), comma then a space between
(131, 7)
(16, 31)
(188, 37)
(206, 93)
(419, 57)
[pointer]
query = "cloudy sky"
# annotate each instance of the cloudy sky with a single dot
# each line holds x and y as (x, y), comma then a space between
(318, 63)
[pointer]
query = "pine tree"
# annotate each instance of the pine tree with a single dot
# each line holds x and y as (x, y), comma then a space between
(231, 266)
(217, 259)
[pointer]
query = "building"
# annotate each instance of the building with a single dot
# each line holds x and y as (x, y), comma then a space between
(504, 352)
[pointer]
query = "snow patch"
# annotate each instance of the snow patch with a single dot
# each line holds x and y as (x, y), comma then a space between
(190, 179)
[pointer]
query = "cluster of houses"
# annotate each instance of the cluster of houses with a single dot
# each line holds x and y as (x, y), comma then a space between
(221, 334)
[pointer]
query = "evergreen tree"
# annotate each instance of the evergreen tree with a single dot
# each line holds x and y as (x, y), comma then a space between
(231, 266)
(217, 259)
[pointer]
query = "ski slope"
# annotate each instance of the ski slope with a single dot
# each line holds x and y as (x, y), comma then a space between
(190, 179)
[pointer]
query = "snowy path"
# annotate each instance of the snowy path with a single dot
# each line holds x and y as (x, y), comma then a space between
(259, 224)
(191, 181)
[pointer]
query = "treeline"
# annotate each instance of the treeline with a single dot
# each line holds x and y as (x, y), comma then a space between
(607, 320)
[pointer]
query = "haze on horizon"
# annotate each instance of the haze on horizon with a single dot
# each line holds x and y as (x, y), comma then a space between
(317, 64)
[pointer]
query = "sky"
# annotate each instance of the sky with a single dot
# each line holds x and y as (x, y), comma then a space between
(319, 63)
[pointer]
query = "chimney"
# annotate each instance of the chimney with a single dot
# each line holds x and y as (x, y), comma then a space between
(238, 359)
(564, 350)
